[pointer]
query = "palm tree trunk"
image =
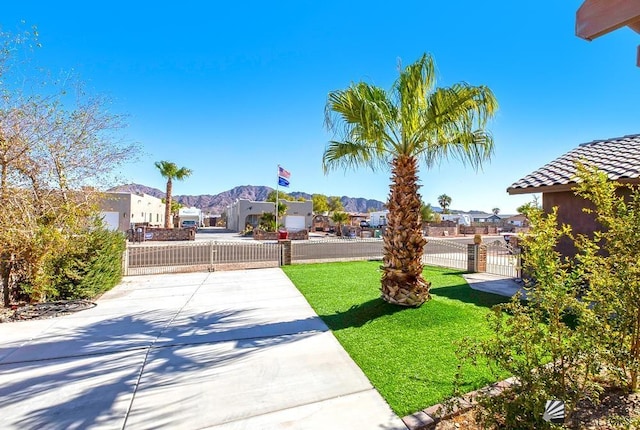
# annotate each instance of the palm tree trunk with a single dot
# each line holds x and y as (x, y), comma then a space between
(402, 281)
(167, 208)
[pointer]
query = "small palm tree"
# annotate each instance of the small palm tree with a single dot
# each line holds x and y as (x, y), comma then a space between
(339, 218)
(495, 211)
(170, 171)
(444, 201)
(395, 130)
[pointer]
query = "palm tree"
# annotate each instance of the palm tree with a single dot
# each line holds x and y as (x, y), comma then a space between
(396, 130)
(444, 201)
(495, 211)
(170, 171)
(339, 218)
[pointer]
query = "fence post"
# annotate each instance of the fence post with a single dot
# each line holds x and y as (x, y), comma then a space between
(125, 261)
(472, 257)
(476, 257)
(481, 262)
(285, 252)
(211, 251)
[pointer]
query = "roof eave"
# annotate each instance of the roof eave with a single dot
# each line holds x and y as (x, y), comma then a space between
(541, 189)
(562, 187)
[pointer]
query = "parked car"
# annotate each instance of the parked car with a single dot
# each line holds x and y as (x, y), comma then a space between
(189, 224)
(364, 224)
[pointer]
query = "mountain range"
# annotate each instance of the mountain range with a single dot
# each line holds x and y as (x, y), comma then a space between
(217, 203)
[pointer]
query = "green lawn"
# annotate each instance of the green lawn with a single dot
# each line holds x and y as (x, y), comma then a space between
(407, 354)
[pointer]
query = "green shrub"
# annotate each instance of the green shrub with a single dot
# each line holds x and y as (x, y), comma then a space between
(581, 327)
(549, 344)
(92, 265)
(80, 266)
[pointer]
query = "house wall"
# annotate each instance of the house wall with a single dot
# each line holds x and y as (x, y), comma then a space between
(570, 211)
(247, 211)
(134, 208)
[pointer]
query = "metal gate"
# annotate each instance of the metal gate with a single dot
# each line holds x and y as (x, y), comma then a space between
(445, 253)
(339, 249)
(503, 259)
(149, 258)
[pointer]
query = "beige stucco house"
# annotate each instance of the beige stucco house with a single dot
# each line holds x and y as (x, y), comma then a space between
(122, 211)
(242, 212)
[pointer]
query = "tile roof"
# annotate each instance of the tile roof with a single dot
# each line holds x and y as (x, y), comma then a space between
(618, 157)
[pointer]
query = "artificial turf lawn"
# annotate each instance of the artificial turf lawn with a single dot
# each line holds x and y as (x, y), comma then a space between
(408, 354)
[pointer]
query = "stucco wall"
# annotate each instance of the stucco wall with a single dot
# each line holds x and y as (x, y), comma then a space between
(244, 211)
(570, 211)
(134, 209)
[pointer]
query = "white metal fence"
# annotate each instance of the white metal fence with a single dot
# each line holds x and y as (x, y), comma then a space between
(445, 253)
(148, 258)
(503, 259)
(346, 249)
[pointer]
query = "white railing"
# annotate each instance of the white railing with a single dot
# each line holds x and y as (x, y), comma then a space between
(335, 249)
(445, 253)
(195, 256)
(503, 259)
(149, 258)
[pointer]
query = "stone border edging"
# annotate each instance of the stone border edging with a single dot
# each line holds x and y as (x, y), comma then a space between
(427, 419)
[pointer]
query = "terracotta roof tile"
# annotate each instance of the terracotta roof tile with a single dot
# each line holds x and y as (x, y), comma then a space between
(618, 157)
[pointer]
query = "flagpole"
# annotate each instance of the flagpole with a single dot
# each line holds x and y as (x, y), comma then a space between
(277, 195)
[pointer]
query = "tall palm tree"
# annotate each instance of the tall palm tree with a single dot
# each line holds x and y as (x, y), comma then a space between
(444, 201)
(413, 122)
(495, 211)
(170, 171)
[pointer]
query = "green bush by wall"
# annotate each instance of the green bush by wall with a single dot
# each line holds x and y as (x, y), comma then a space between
(91, 267)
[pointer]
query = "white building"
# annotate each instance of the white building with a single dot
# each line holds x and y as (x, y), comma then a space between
(122, 211)
(244, 212)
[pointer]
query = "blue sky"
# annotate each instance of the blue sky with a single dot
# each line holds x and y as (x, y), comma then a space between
(233, 89)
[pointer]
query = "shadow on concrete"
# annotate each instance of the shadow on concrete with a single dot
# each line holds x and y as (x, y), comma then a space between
(81, 382)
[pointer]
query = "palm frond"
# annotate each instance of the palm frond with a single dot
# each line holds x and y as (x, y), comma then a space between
(350, 155)
(469, 147)
(411, 89)
(366, 117)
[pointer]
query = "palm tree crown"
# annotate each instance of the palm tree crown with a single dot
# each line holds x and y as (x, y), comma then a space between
(170, 171)
(413, 122)
(444, 201)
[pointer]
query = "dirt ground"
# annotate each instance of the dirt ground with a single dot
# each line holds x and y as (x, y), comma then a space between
(616, 410)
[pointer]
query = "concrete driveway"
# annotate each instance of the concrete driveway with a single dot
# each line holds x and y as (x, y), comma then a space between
(224, 350)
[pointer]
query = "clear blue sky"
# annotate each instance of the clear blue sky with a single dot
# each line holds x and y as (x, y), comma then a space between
(232, 89)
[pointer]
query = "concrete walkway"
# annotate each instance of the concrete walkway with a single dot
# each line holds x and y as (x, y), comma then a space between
(224, 350)
(496, 284)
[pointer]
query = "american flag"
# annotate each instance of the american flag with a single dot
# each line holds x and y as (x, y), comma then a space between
(283, 173)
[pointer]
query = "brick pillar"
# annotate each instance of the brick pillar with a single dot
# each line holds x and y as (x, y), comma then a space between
(482, 258)
(476, 258)
(471, 257)
(285, 259)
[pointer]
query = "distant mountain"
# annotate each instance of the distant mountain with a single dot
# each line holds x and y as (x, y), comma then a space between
(217, 203)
